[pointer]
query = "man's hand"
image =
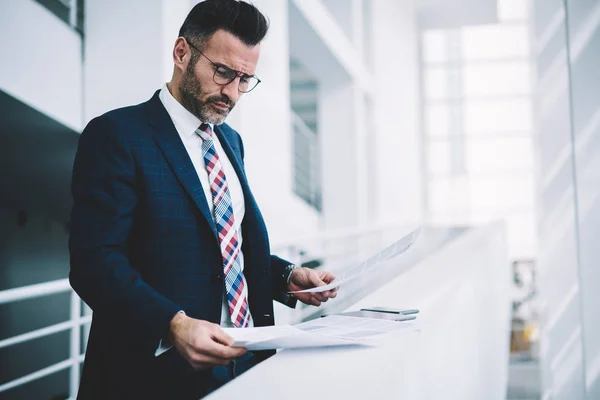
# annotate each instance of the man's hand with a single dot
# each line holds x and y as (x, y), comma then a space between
(202, 343)
(306, 278)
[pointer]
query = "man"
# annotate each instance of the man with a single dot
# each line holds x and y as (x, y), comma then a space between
(167, 242)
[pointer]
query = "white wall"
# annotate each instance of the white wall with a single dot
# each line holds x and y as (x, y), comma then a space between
(128, 50)
(584, 33)
(41, 61)
(395, 136)
(567, 139)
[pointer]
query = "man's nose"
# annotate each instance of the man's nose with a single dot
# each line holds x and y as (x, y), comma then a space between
(231, 90)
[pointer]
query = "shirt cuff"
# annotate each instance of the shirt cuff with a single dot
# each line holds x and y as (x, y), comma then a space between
(162, 348)
(164, 345)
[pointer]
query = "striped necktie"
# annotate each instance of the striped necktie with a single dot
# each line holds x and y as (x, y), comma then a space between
(235, 283)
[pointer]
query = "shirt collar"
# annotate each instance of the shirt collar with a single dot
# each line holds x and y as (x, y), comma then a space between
(185, 122)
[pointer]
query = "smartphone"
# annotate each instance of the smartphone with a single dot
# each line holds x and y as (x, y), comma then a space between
(390, 310)
(376, 315)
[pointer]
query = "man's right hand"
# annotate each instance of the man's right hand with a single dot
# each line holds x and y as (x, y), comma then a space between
(202, 343)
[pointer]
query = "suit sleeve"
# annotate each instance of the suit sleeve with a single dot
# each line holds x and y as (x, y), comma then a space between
(279, 272)
(105, 199)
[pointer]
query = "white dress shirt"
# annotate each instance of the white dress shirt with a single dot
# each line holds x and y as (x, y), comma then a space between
(186, 125)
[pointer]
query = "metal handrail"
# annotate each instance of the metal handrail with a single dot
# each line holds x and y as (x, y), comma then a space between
(33, 291)
(49, 330)
(70, 363)
(74, 324)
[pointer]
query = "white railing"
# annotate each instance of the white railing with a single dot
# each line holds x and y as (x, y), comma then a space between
(74, 325)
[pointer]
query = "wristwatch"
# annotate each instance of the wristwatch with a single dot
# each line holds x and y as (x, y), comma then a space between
(289, 270)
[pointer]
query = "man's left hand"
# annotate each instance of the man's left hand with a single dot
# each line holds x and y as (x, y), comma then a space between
(306, 278)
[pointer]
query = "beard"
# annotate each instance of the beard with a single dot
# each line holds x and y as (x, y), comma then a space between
(191, 94)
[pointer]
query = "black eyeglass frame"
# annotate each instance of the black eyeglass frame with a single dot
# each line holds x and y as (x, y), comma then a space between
(225, 70)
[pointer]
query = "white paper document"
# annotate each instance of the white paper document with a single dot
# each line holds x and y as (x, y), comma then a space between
(375, 261)
(333, 330)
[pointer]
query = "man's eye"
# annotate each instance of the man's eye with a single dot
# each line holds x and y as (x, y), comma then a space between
(224, 72)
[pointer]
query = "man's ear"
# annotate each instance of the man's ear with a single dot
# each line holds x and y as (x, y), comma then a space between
(182, 54)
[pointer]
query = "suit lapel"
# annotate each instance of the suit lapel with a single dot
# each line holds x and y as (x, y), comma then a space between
(172, 147)
(232, 153)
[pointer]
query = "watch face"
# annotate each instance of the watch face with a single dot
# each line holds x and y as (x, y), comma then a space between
(290, 268)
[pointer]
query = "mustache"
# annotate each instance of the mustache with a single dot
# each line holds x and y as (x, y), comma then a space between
(223, 99)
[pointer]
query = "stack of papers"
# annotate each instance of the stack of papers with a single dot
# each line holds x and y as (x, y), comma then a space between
(333, 330)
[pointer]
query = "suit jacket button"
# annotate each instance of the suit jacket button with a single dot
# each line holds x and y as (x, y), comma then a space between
(217, 276)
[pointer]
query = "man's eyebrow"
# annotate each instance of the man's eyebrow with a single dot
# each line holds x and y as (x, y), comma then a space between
(244, 75)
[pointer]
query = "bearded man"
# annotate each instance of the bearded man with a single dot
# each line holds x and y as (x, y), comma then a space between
(167, 243)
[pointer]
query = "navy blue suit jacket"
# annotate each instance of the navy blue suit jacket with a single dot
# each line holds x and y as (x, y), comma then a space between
(143, 245)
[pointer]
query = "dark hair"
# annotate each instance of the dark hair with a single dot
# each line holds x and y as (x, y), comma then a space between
(239, 18)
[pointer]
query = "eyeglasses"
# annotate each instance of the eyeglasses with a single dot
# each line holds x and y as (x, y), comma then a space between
(224, 75)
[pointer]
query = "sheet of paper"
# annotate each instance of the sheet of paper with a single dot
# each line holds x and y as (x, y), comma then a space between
(247, 336)
(283, 337)
(394, 250)
(356, 328)
(329, 331)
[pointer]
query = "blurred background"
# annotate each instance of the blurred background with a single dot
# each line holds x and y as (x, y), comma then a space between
(373, 116)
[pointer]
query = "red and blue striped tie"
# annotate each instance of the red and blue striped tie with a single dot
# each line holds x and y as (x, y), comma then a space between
(235, 283)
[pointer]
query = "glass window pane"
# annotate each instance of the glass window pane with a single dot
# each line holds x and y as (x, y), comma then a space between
(449, 195)
(436, 83)
(437, 119)
(501, 193)
(496, 79)
(497, 155)
(439, 157)
(521, 230)
(513, 10)
(521, 235)
(435, 46)
(512, 115)
(494, 41)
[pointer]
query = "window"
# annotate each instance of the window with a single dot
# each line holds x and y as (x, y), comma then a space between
(503, 78)
(307, 179)
(513, 114)
(70, 11)
(495, 42)
(477, 124)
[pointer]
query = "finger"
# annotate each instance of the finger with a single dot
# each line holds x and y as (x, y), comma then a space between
(315, 279)
(320, 296)
(217, 350)
(203, 361)
(304, 297)
(326, 276)
(219, 336)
